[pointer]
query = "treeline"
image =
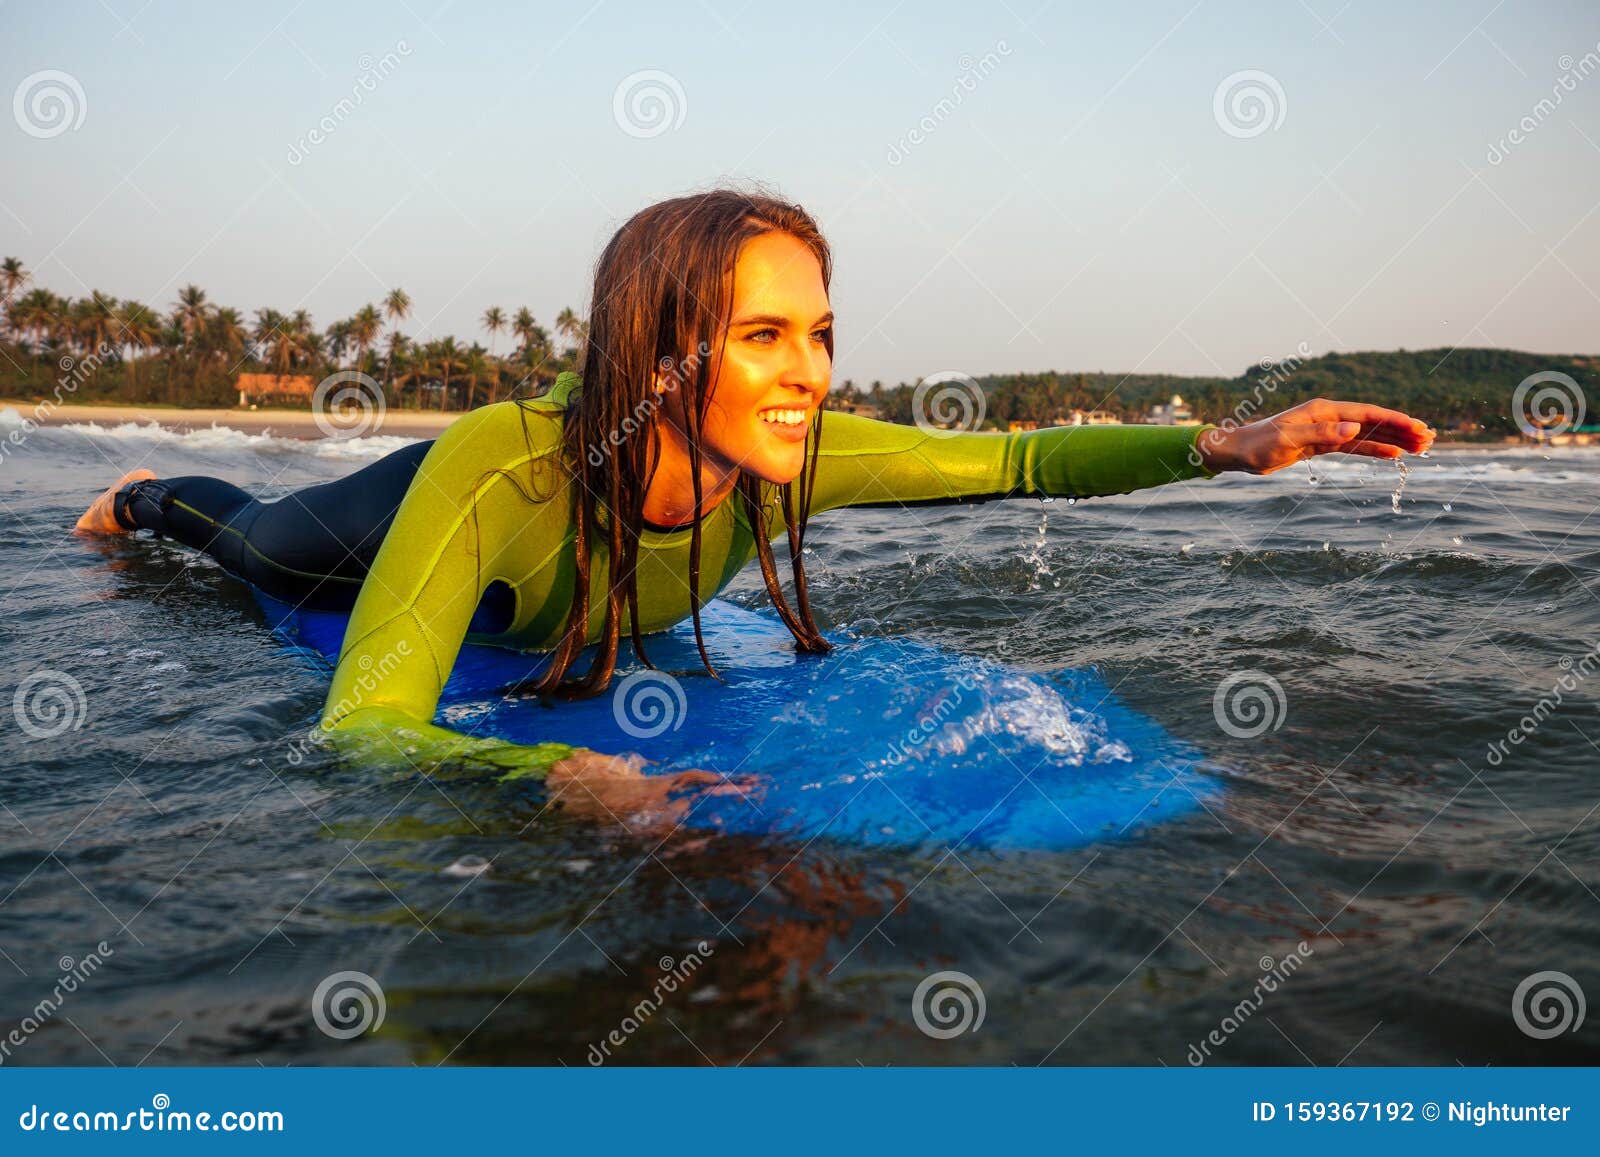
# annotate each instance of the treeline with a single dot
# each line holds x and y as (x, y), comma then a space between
(191, 352)
(1465, 391)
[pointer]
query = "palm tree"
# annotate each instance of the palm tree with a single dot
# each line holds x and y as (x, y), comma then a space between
(395, 350)
(396, 308)
(338, 339)
(494, 320)
(364, 329)
(227, 336)
(12, 278)
(572, 327)
(444, 356)
(138, 329)
(37, 312)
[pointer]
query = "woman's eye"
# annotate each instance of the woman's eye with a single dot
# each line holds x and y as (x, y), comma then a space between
(822, 334)
(764, 335)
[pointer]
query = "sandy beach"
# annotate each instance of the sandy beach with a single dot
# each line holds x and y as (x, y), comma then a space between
(299, 424)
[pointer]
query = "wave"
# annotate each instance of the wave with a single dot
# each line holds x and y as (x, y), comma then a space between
(210, 440)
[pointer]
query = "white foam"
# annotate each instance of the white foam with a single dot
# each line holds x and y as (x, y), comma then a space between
(215, 437)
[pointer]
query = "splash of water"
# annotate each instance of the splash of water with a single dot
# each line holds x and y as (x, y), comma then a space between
(1394, 499)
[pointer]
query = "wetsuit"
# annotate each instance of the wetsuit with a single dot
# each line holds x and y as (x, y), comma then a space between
(480, 543)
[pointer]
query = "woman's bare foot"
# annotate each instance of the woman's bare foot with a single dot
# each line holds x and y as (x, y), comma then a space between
(101, 518)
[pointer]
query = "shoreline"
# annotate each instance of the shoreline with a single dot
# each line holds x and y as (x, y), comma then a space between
(301, 425)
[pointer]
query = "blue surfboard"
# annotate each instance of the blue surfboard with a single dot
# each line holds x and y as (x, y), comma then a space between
(882, 742)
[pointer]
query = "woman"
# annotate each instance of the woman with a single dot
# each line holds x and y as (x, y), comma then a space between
(608, 504)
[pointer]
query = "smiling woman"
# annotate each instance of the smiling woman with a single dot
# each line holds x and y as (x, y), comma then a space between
(560, 522)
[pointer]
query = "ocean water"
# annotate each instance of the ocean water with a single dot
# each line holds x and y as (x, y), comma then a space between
(1397, 860)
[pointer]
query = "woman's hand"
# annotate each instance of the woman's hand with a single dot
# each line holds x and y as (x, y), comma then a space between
(609, 788)
(1311, 428)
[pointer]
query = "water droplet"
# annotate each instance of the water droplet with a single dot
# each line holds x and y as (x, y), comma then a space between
(1448, 508)
(1394, 499)
(468, 866)
(1072, 502)
(1324, 546)
(1311, 475)
(1047, 498)
(1456, 540)
(1186, 548)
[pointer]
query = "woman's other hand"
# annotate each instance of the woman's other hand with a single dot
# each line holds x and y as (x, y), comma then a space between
(1311, 428)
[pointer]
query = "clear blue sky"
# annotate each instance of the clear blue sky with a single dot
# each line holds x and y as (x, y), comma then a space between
(1081, 207)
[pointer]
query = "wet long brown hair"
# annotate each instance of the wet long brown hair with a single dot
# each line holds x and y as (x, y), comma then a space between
(663, 295)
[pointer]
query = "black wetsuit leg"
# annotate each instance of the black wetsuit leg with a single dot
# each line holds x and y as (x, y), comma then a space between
(311, 548)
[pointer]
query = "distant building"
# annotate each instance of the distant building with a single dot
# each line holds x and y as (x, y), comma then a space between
(1091, 418)
(861, 409)
(1016, 424)
(1174, 413)
(259, 389)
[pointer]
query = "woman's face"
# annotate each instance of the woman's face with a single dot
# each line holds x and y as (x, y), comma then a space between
(773, 371)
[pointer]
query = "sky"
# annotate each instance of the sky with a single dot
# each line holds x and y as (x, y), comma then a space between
(1185, 187)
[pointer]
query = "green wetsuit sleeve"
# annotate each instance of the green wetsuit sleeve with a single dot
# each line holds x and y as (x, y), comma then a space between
(457, 530)
(864, 462)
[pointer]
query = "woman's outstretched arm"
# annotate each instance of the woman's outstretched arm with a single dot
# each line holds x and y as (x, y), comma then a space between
(863, 462)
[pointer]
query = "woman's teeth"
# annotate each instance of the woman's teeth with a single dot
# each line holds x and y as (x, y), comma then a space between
(784, 417)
